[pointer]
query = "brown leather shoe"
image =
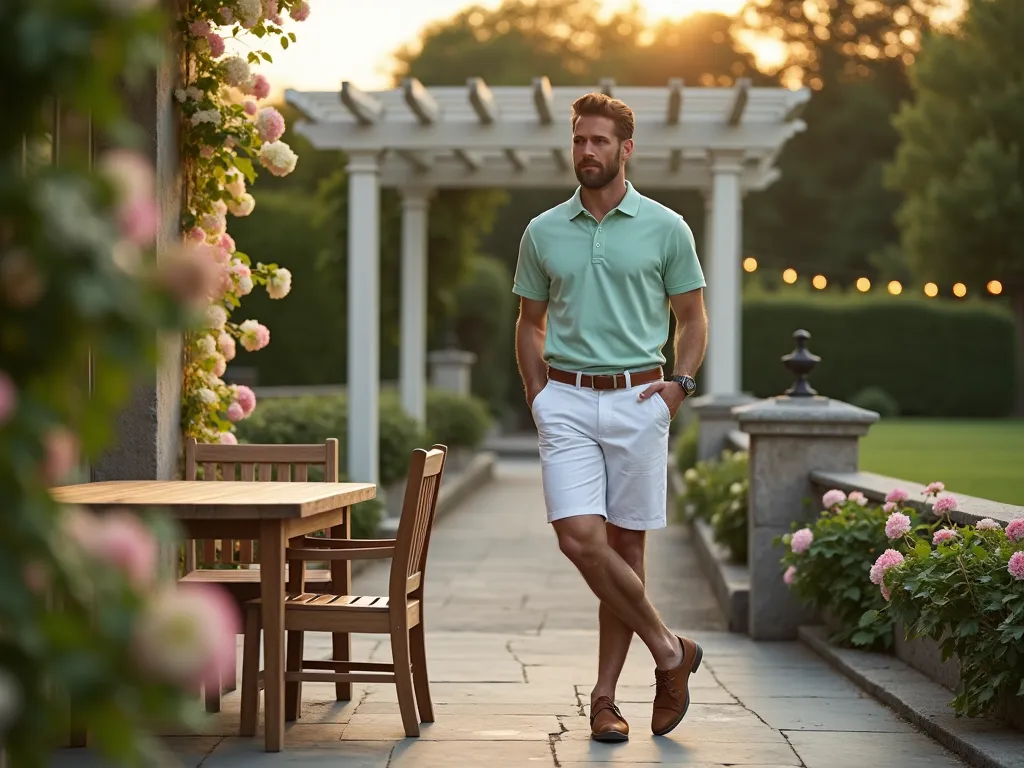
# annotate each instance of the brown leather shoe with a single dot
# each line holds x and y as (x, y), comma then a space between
(672, 698)
(606, 722)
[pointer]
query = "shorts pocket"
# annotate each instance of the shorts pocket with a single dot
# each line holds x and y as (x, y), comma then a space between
(665, 411)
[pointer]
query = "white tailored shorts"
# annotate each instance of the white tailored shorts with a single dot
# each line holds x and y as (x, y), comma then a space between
(603, 452)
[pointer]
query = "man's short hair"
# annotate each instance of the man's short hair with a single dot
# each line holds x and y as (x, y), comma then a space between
(600, 105)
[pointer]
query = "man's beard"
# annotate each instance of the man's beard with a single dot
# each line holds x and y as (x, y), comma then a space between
(593, 175)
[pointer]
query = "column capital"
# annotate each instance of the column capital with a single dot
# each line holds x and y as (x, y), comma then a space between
(416, 196)
(363, 162)
(726, 161)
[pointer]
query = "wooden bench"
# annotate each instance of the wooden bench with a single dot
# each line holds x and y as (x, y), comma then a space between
(233, 564)
(399, 614)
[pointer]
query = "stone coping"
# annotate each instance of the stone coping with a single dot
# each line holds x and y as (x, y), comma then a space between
(970, 509)
(738, 440)
(983, 742)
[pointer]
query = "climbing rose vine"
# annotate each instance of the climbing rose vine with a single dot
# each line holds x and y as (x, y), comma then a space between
(226, 134)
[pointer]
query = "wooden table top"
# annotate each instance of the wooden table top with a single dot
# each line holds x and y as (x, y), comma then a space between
(201, 499)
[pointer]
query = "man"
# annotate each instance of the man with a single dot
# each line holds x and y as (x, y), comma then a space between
(596, 277)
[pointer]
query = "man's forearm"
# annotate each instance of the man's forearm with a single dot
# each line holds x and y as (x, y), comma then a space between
(691, 344)
(530, 357)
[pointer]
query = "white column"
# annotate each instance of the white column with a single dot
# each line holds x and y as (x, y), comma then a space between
(709, 224)
(363, 316)
(413, 347)
(724, 287)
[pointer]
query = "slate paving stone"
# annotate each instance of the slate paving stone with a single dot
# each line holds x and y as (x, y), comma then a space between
(821, 714)
(856, 750)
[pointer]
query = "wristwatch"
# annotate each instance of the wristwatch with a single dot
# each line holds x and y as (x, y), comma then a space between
(687, 383)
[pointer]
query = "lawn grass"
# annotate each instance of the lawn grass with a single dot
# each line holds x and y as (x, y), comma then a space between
(977, 458)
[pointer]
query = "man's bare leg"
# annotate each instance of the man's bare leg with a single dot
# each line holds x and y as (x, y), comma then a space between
(584, 541)
(614, 636)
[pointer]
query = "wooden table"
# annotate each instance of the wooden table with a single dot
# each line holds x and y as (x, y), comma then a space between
(269, 512)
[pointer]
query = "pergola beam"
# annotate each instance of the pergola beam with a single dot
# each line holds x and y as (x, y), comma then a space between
(471, 160)
(419, 100)
(739, 102)
(562, 159)
(516, 158)
(364, 108)
(543, 100)
(419, 161)
(482, 99)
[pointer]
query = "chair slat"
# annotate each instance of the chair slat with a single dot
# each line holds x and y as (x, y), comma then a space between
(248, 472)
(209, 470)
(245, 551)
(301, 473)
(284, 473)
(266, 472)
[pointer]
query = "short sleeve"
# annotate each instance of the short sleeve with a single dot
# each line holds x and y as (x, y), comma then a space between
(531, 281)
(682, 271)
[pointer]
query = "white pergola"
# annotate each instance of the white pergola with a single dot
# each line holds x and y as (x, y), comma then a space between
(722, 141)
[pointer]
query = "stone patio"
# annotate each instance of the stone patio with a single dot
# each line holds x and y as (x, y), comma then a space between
(512, 649)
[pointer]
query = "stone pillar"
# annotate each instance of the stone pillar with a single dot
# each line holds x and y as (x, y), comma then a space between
(724, 286)
(451, 370)
(147, 437)
(715, 421)
(413, 348)
(363, 317)
(791, 436)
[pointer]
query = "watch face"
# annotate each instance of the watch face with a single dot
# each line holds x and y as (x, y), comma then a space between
(688, 384)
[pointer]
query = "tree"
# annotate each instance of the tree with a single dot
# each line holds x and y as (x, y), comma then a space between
(960, 164)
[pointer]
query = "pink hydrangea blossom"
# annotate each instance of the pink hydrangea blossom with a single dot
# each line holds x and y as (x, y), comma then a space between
(259, 87)
(889, 506)
(790, 575)
(246, 398)
(235, 412)
(122, 540)
(220, 365)
(885, 561)
(138, 221)
(858, 498)
(228, 438)
(61, 454)
(216, 45)
(186, 635)
(200, 28)
(801, 540)
(943, 535)
(300, 11)
(227, 242)
(254, 335)
(226, 345)
(988, 524)
(1015, 530)
(933, 489)
(196, 235)
(270, 124)
(8, 397)
(1016, 565)
(833, 498)
(943, 505)
(227, 14)
(897, 525)
(250, 107)
(886, 593)
(897, 495)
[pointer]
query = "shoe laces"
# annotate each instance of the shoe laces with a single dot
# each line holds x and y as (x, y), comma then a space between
(665, 684)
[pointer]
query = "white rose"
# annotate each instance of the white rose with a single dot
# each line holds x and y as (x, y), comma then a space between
(207, 396)
(236, 71)
(279, 284)
(278, 158)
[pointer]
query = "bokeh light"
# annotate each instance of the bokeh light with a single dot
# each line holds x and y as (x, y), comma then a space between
(959, 290)
(789, 275)
(819, 282)
(931, 290)
(863, 284)
(895, 288)
(750, 264)
(994, 287)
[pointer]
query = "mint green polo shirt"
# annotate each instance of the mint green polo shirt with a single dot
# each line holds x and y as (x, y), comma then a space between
(607, 284)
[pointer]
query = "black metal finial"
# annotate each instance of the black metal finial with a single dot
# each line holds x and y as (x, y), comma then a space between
(800, 362)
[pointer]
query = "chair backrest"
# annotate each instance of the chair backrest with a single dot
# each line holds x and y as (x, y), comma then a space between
(409, 564)
(271, 463)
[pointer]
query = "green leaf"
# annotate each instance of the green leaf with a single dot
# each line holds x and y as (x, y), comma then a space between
(922, 548)
(868, 618)
(244, 164)
(284, 43)
(266, 57)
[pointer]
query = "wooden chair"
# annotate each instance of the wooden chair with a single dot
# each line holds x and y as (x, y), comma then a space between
(228, 562)
(400, 614)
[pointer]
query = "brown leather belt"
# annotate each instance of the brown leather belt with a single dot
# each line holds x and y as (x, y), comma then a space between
(606, 380)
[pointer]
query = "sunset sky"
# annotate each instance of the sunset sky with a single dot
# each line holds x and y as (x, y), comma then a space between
(353, 39)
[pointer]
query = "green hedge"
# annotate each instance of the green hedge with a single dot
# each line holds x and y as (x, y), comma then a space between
(456, 421)
(934, 358)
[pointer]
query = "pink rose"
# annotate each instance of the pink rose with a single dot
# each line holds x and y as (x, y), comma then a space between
(228, 438)
(889, 506)
(1015, 530)
(8, 397)
(246, 398)
(235, 412)
(186, 635)
(897, 495)
(833, 498)
(858, 498)
(790, 575)
(801, 540)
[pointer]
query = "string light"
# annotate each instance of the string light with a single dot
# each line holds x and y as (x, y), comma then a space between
(959, 290)
(750, 264)
(789, 275)
(931, 290)
(994, 287)
(819, 282)
(863, 284)
(895, 288)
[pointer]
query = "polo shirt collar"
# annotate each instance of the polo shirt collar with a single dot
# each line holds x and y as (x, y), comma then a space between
(630, 204)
